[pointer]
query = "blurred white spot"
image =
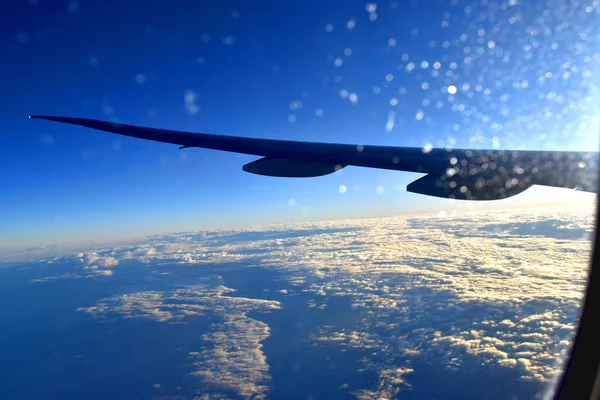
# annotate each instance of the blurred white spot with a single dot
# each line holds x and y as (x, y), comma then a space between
(189, 98)
(414, 31)
(343, 189)
(371, 7)
(73, 6)
(396, 160)
(228, 40)
(347, 51)
(360, 148)
(419, 116)
(292, 118)
(450, 172)
(582, 164)
(394, 101)
(294, 105)
(481, 32)
(329, 28)
(425, 86)
(47, 139)
(389, 77)
(389, 126)
(373, 16)
(410, 66)
(140, 78)
(392, 42)
(156, 386)
(453, 65)
(453, 160)
(292, 203)
(319, 112)
(350, 25)
(353, 98)
(452, 89)
(380, 189)
(376, 89)
(496, 142)
(491, 44)
(22, 37)
(437, 65)
(427, 149)
(338, 62)
(344, 93)
(442, 214)
(424, 64)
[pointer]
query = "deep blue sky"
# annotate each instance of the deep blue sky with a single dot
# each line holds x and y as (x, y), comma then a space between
(525, 77)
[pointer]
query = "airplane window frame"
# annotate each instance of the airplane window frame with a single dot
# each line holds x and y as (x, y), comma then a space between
(581, 379)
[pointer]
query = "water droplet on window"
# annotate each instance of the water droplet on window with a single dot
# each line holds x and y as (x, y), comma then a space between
(389, 126)
(73, 7)
(22, 37)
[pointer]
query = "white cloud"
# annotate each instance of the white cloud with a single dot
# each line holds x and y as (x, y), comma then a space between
(231, 355)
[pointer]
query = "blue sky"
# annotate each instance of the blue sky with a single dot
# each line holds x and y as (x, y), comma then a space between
(342, 71)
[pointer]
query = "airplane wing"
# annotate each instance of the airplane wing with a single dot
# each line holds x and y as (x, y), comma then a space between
(450, 173)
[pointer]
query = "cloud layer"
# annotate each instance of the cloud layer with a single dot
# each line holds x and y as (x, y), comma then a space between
(500, 289)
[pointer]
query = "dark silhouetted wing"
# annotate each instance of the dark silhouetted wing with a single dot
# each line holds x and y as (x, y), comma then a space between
(450, 173)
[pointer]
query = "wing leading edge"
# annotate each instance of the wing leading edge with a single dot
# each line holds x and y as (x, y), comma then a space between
(451, 173)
